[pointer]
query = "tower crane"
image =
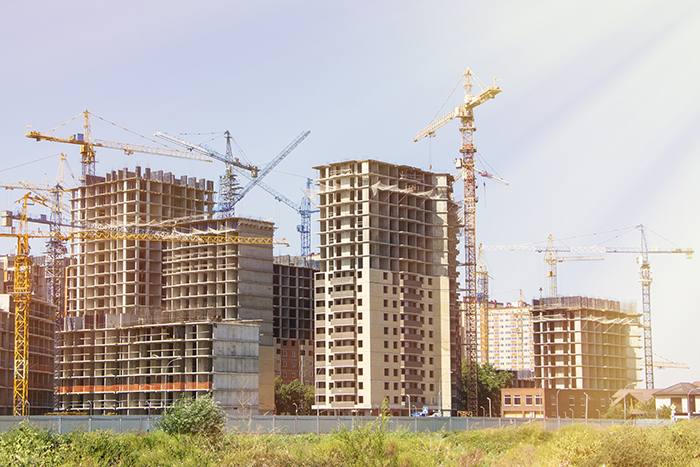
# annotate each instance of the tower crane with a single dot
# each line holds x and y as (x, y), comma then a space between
(644, 278)
(88, 145)
(551, 258)
(305, 211)
(231, 193)
(55, 251)
(465, 113)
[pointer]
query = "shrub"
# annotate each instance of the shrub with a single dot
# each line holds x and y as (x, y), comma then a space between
(200, 416)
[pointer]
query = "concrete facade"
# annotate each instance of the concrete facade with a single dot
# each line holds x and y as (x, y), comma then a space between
(387, 324)
(293, 312)
(124, 292)
(585, 343)
(129, 364)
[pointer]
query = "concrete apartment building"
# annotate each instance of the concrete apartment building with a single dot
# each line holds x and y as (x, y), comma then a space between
(585, 350)
(293, 315)
(180, 314)
(387, 324)
(511, 344)
(585, 343)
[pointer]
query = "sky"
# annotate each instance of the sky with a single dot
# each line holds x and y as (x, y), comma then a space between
(595, 130)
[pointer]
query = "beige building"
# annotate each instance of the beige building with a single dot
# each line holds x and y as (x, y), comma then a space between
(386, 295)
(511, 344)
(585, 343)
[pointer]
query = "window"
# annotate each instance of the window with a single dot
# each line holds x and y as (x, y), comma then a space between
(294, 353)
(386, 315)
(359, 288)
(432, 387)
(284, 353)
(386, 290)
(396, 345)
(528, 400)
(516, 399)
(386, 303)
(386, 330)
(432, 374)
(284, 364)
(386, 358)
(386, 386)
(396, 386)
(359, 302)
(386, 372)
(396, 372)
(506, 400)
(284, 374)
(386, 344)
(396, 331)
(538, 400)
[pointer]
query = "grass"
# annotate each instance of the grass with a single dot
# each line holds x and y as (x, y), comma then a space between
(368, 445)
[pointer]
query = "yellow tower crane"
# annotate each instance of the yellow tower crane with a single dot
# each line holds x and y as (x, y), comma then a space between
(88, 145)
(468, 313)
(23, 274)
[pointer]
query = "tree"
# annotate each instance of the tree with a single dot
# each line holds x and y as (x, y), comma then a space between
(490, 381)
(286, 395)
(200, 416)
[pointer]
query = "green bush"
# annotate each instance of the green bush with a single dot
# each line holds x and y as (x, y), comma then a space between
(200, 416)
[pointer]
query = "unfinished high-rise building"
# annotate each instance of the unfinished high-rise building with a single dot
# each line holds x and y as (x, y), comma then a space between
(387, 325)
(166, 317)
(293, 312)
(585, 343)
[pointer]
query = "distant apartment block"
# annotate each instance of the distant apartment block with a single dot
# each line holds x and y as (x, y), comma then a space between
(386, 308)
(511, 344)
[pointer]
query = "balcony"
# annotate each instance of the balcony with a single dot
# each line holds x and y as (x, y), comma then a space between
(343, 349)
(343, 335)
(343, 322)
(343, 391)
(343, 377)
(343, 280)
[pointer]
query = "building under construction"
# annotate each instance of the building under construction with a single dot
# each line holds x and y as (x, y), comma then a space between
(149, 319)
(585, 343)
(387, 324)
(293, 314)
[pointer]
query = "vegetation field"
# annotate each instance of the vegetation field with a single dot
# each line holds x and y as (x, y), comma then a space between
(370, 445)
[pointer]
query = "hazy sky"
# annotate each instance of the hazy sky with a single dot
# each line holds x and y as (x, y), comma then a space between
(596, 128)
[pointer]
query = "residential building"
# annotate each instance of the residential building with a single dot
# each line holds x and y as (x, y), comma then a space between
(510, 339)
(387, 325)
(681, 396)
(144, 291)
(585, 343)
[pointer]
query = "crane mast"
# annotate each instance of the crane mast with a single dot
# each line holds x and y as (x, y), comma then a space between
(468, 309)
(644, 279)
